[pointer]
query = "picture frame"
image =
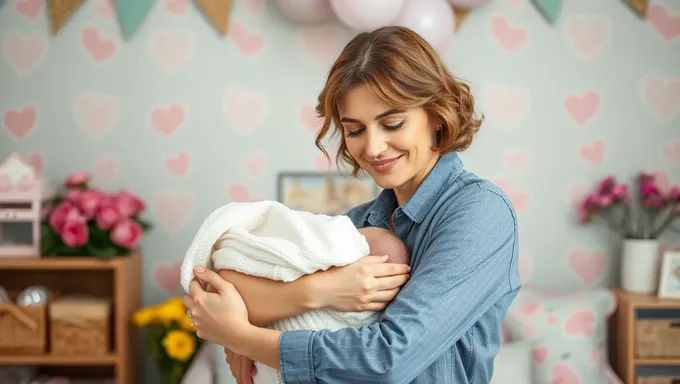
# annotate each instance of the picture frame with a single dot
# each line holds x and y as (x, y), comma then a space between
(331, 193)
(669, 278)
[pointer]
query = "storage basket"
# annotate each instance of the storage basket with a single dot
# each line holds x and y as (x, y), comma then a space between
(658, 380)
(80, 326)
(23, 329)
(658, 338)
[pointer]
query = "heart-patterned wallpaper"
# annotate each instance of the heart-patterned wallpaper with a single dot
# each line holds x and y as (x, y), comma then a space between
(191, 120)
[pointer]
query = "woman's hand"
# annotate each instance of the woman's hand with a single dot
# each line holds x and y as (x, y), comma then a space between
(370, 284)
(219, 316)
(242, 368)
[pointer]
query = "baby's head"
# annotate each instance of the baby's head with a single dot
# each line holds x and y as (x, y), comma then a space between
(383, 242)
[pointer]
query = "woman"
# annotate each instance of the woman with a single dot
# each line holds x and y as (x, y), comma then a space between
(402, 119)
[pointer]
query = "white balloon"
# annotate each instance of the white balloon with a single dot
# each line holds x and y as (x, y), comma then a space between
(365, 15)
(305, 11)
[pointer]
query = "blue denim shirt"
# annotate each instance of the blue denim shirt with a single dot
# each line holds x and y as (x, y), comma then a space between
(444, 326)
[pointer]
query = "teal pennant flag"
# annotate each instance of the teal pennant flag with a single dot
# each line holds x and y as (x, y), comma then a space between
(131, 14)
(550, 9)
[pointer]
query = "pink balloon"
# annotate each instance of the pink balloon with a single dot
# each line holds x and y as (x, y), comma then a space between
(305, 11)
(467, 3)
(431, 19)
(365, 15)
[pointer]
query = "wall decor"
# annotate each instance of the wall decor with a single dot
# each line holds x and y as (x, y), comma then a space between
(639, 6)
(330, 193)
(550, 9)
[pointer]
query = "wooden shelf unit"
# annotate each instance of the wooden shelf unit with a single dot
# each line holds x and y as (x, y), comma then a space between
(624, 359)
(118, 279)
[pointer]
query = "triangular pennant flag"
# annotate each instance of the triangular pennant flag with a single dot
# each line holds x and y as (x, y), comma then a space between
(131, 13)
(639, 6)
(460, 15)
(61, 11)
(550, 9)
(217, 12)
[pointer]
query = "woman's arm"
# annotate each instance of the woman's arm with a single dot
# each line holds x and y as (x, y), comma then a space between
(367, 285)
(470, 269)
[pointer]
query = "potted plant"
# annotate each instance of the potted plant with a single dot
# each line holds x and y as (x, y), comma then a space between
(170, 337)
(640, 219)
(87, 221)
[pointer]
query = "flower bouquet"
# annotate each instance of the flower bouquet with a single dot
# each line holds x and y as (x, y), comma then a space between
(170, 337)
(89, 221)
(646, 216)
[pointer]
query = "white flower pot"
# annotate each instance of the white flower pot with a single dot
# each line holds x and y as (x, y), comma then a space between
(640, 266)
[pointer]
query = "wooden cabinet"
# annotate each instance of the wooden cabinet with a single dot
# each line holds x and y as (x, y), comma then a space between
(646, 339)
(118, 280)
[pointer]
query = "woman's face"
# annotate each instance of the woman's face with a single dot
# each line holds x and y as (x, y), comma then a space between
(394, 146)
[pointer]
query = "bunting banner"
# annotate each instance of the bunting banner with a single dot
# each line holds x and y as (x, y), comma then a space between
(460, 15)
(639, 6)
(60, 11)
(550, 9)
(217, 12)
(131, 13)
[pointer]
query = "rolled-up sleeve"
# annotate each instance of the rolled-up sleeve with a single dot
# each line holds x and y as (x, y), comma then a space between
(465, 270)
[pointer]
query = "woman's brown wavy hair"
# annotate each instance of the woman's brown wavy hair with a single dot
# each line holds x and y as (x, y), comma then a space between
(403, 71)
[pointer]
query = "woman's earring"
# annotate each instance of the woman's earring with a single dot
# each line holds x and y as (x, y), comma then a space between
(438, 128)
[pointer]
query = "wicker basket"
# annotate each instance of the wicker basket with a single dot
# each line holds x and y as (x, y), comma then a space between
(22, 329)
(658, 380)
(657, 338)
(80, 326)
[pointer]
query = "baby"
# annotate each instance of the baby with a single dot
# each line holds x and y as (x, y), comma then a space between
(383, 242)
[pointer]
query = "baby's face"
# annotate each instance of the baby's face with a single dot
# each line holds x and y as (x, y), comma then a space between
(382, 242)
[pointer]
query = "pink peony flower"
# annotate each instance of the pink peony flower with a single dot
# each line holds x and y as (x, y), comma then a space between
(619, 191)
(74, 233)
(89, 200)
(607, 184)
(73, 195)
(107, 214)
(129, 204)
(653, 202)
(645, 177)
(77, 179)
(674, 194)
(647, 189)
(60, 214)
(604, 201)
(127, 234)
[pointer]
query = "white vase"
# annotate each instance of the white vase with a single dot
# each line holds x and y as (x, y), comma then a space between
(640, 266)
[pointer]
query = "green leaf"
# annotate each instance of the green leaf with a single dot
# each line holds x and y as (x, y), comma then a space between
(49, 242)
(142, 223)
(104, 252)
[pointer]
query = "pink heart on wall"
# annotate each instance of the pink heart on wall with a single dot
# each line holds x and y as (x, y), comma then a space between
(520, 200)
(167, 119)
(254, 163)
(29, 8)
(246, 109)
(672, 152)
(518, 160)
(99, 48)
(105, 10)
(172, 50)
(506, 106)
(36, 160)
(97, 114)
(248, 43)
(167, 277)
(539, 354)
(581, 108)
(593, 153)
(665, 23)
(310, 120)
(19, 122)
(510, 38)
(588, 266)
(528, 309)
(581, 324)
(588, 35)
(662, 95)
(252, 6)
(174, 209)
(239, 193)
(23, 52)
(178, 163)
(107, 168)
(321, 44)
(563, 373)
(177, 7)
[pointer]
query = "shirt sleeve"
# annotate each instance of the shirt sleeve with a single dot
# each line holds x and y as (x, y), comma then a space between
(467, 267)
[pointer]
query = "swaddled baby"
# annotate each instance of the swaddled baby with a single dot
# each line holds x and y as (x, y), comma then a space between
(380, 242)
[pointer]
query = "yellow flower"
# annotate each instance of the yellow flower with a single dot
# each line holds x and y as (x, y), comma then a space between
(144, 316)
(179, 345)
(172, 309)
(185, 324)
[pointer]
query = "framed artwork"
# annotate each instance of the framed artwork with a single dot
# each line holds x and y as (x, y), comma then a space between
(669, 281)
(330, 193)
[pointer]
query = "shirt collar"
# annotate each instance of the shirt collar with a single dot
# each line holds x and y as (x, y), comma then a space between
(447, 168)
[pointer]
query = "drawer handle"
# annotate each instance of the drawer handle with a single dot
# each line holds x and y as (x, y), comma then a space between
(675, 324)
(675, 381)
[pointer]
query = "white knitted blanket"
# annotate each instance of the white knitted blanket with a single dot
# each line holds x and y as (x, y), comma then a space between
(268, 239)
